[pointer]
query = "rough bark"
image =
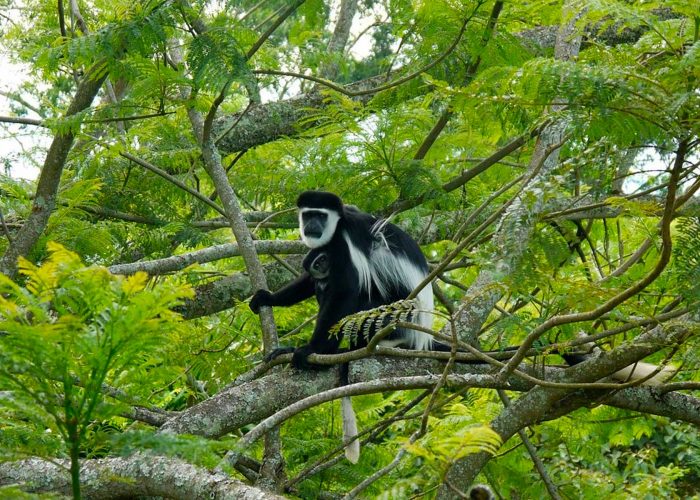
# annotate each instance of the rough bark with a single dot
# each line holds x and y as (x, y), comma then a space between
(268, 122)
(256, 400)
(260, 398)
(217, 252)
(222, 294)
(138, 475)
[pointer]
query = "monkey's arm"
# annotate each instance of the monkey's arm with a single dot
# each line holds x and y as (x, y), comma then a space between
(300, 289)
(334, 308)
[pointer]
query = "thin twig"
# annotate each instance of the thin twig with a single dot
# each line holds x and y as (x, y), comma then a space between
(5, 228)
(18, 98)
(532, 451)
(678, 386)
(290, 10)
(395, 83)
(23, 121)
(251, 10)
(477, 212)
(371, 433)
(172, 180)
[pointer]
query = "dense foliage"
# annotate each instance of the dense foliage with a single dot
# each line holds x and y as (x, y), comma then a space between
(553, 189)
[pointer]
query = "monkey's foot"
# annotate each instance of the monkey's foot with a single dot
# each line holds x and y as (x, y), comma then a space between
(277, 352)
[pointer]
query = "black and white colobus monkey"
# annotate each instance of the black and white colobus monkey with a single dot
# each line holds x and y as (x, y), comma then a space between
(357, 262)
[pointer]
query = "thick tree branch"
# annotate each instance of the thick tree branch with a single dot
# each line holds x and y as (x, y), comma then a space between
(253, 401)
(222, 294)
(256, 400)
(139, 475)
(357, 389)
(217, 252)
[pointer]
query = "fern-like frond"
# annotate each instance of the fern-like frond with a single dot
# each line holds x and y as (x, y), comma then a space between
(368, 323)
(687, 256)
(215, 57)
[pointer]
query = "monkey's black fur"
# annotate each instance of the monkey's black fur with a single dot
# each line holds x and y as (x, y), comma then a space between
(343, 271)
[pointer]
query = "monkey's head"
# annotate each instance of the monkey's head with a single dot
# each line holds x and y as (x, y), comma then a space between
(319, 213)
(317, 263)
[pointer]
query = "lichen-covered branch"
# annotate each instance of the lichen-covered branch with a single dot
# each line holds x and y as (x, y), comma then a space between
(356, 389)
(139, 475)
(217, 252)
(219, 295)
(256, 400)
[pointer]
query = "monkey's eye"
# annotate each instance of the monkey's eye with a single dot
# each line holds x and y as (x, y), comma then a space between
(314, 215)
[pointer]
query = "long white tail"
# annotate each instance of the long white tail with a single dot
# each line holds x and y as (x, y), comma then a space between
(352, 448)
(641, 370)
(638, 370)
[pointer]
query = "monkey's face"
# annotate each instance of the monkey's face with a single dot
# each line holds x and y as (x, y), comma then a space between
(317, 225)
(320, 266)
